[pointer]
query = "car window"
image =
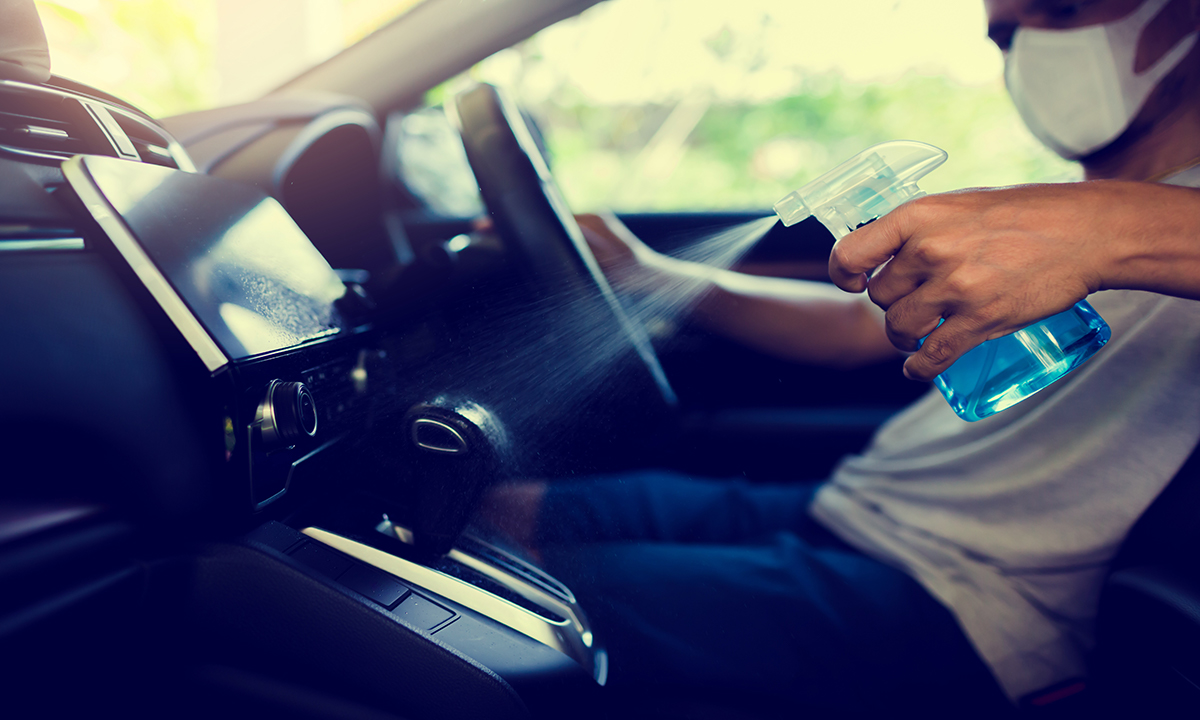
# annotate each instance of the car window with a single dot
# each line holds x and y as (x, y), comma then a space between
(663, 105)
(174, 57)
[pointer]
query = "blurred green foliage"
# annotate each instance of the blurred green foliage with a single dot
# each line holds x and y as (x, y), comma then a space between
(156, 55)
(677, 105)
(700, 145)
(162, 55)
(747, 155)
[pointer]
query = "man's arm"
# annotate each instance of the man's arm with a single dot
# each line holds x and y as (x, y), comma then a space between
(993, 261)
(791, 319)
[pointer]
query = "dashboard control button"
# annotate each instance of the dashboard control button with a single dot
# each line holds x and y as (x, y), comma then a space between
(422, 613)
(374, 584)
(287, 414)
(318, 558)
(276, 535)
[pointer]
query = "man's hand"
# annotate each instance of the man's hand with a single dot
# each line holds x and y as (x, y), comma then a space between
(993, 261)
(630, 264)
(611, 242)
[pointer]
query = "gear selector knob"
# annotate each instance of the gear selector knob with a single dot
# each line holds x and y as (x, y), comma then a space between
(460, 447)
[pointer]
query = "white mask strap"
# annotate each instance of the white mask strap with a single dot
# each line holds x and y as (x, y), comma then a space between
(1124, 36)
(1076, 89)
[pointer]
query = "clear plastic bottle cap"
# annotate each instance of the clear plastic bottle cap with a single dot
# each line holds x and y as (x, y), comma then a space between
(867, 186)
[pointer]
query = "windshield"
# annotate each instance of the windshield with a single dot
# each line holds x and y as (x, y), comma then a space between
(669, 105)
(170, 57)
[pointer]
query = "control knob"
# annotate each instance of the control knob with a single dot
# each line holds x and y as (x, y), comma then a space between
(287, 414)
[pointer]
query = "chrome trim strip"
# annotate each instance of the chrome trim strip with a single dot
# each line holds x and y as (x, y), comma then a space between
(506, 561)
(41, 244)
(174, 150)
(121, 144)
(460, 444)
(459, 591)
(561, 636)
(528, 581)
(32, 153)
(75, 171)
(45, 133)
(182, 159)
(526, 590)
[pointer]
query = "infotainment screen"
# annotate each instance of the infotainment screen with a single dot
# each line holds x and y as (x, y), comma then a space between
(213, 252)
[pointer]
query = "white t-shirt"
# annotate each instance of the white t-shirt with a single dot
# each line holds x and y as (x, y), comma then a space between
(1011, 521)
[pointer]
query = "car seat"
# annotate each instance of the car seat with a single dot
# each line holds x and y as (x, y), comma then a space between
(1147, 657)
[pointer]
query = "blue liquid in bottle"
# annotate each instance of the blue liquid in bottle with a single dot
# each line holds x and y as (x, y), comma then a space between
(1001, 373)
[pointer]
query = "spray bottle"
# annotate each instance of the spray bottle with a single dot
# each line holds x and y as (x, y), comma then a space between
(996, 374)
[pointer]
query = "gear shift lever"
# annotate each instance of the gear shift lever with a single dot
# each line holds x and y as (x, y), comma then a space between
(460, 448)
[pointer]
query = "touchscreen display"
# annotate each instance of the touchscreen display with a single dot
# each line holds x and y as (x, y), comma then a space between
(234, 256)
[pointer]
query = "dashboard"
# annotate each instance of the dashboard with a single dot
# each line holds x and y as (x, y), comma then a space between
(226, 282)
(200, 381)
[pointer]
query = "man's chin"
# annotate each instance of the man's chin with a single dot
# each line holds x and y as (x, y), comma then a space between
(1107, 162)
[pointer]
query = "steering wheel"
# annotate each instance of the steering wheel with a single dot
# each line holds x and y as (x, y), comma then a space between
(543, 241)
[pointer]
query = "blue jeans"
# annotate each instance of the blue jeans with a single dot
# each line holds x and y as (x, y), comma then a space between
(728, 592)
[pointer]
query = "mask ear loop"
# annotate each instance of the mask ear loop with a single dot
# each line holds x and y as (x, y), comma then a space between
(1175, 170)
(1142, 86)
(1117, 93)
(1127, 33)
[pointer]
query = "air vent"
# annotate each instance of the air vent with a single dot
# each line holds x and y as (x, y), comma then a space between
(152, 143)
(50, 124)
(47, 123)
(27, 237)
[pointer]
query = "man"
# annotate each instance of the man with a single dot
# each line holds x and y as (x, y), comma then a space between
(1056, 243)
(951, 563)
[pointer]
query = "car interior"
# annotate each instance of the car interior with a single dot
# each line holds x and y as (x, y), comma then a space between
(261, 365)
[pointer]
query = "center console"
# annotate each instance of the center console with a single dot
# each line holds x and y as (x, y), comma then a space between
(479, 599)
(255, 302)
(292, 375)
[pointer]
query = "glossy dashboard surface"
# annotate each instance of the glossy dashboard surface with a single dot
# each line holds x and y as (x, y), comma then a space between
(233, 256)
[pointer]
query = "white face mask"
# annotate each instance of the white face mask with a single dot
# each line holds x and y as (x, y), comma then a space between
(1076, 89)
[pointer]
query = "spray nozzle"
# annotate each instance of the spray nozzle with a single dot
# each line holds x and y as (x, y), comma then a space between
(865, 187)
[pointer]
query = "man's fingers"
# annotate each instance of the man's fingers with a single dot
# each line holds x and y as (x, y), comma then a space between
(912, 318)
(941, 348)
(893, 282)
(590, 222)
(865, 249)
